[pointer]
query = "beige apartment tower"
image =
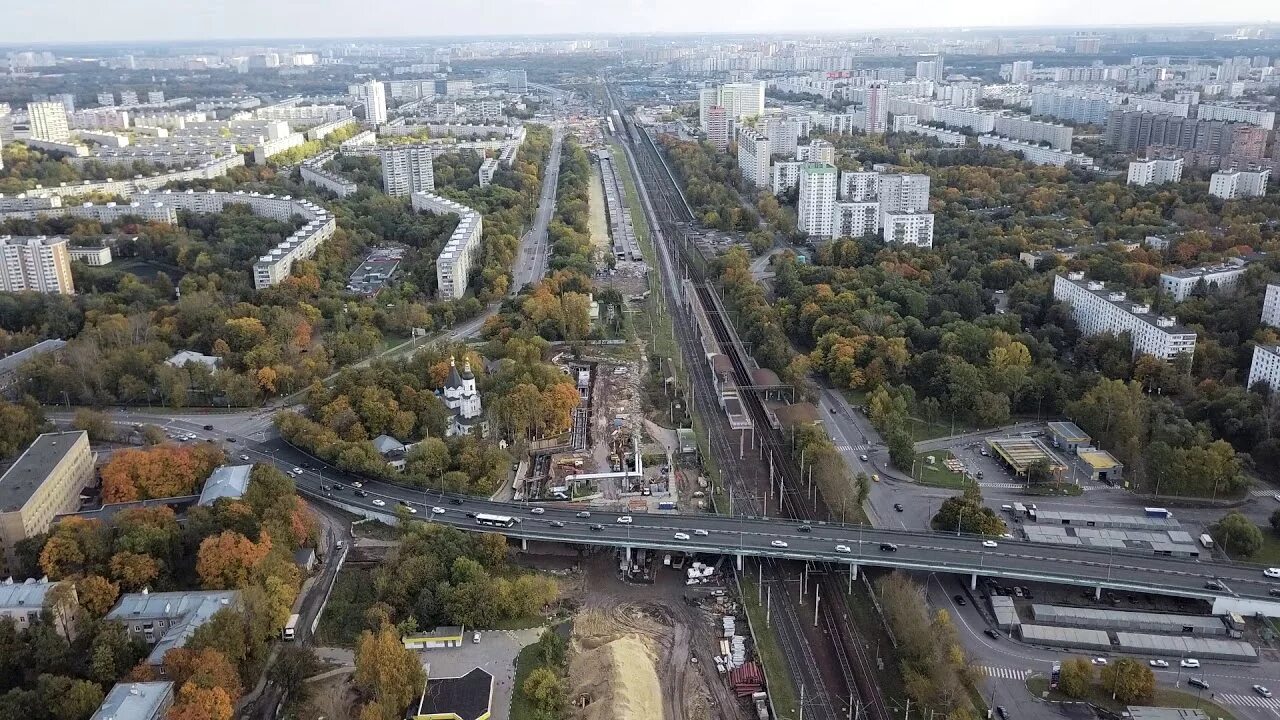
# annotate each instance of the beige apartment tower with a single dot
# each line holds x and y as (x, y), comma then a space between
(35, 264)
(45, 481)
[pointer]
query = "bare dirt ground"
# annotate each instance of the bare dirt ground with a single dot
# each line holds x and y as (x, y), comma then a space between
(597, 222)
(669, 628)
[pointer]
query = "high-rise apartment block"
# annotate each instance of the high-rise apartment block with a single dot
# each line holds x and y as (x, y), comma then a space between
(931, 69)
(106, 99)
(855, 219)
(48, 121)
(35, 264)
(741, 100)
(1020, 71)
(517, 81)
(876, 108)
(1022, 127)
(817, 200)
(1098, 310)
(719, 128)
(1155, 171)
(44, 481)
(1082, 106)
(785, 175)
(907, 228)
(820, 151)
(753, 156)
(68, 101)
(1236, 184)
(1271, 306)
(1265, 367)
(1265, 119)
(860, 186)
(407, 169)
(1137, 131)
(128, 97)
(904, 192)
(457, 257)
(373, 95)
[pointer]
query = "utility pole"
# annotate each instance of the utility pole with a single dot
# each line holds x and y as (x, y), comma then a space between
(768, 606)
(907, 714)
(817, 600)
(759, 583)
(801, 701)
(804, 581)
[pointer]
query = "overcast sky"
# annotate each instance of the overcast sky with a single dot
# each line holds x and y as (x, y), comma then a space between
(137, 20)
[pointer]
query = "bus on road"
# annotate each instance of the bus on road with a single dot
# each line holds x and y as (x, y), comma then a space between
(290, 630)
(495, 520)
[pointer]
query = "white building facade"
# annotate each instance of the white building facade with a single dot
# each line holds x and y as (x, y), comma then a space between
(753, 157)
(1155, 171)
(816, 206)
(1097, 310)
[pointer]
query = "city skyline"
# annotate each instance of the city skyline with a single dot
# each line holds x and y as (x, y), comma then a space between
(144, 20)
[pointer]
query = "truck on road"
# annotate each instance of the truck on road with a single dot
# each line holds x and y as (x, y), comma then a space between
(290, 631)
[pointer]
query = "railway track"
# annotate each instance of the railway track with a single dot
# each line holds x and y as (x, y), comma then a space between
(673, 216)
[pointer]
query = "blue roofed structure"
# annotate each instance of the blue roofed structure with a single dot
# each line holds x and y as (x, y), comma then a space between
(228, 481)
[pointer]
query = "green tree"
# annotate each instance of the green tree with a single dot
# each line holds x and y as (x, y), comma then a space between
(1076, 677)
(545, 689)
(1129, 681)
(1238, 535)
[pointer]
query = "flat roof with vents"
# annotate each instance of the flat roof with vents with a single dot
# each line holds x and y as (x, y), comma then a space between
(32, 468)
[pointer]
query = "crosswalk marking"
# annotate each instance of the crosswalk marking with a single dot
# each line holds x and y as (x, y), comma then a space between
(846, 447)
(1250, 701)
(1005, 673)
(1263, 493)
(1001, 486)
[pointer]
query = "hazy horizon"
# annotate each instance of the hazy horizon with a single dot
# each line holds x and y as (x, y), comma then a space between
(153, 21)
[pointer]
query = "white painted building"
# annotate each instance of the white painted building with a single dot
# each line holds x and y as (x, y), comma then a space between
(1222, 278)
(741, 100)
(753, 156)
(1098, 310)
(855, 219)
(1022, 127)
(1155, 171)
(313, 173)
(463, 400)
(1265, 367)
(903, 193)
(373, 95)
(1236, 184)
(48, 121)
(786, 175)
(910, 124)
(36, 264)
(815, 209)
(1237, 113)
(1271, 306)
(857, 186)
(1037, 154)
(907, 228)
(487, 168)
(407, 169)
(457, 257)
(819, 151)
(96, 256)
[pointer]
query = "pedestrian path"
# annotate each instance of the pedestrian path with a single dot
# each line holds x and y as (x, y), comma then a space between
(1249, 701)
(1005, 673)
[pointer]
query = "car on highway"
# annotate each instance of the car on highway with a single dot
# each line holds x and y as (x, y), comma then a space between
(244, 457)
(624, 520)
(888, 547)
(991, 634)
(875, 477)
(597, 527)
(1198, 682)
(584, 514)
(1272, 572)
(1004, 714)
(700, 532)
(538, 510)
(898, 507)
(289, 473)
(1215, 585)
(338, 486)
(379, 502)
(297, 471)
(229, 439)
(359, 493)
(1159, 663)
(1261, 690)
(805, 528)
(1189, 663)
(437, 510)
(455, 501)
(779, 543)
(357, 484)
(990, 543)
(409, 509)
(842, 548)
(681, 536)
(208, 427)
(556, 523)
(1099, 661)
(960, 600)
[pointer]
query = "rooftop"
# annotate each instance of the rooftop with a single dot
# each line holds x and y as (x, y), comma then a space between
(12, 362)
(1231, 265)
(26, 475)
(29, 594)
(1098, 459)
(228, 481)
(1068, 431)
(188, 609)
(466, 698)
(134, 701)
(1121, 300)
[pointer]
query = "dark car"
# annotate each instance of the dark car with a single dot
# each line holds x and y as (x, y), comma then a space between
(338, 486)
(556, 523)
(1198, 682)
(888, 547)
(1004, 714)
(991, 634)
(960, 600)
(1214, 585)
(584, 514)
(805, 528)
(898, 507)
(324, 487)
(455, 501)
(597, 527)
(361, 493)
(208, 427)
(231, 439)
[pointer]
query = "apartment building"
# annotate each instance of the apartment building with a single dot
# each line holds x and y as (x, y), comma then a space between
(1155, 171)
(12, 363)
(786, 175)
(313, 173)
(1271, 306)
(136, 701)
(719, 127)
(1265, 119)
(1022, 127)
(92, 255)
(1098, 310)
(910, 124)
(818, 151)
(753, 156)
(856, 219)
(1265, 367)
(407, 169)
(29, 602)
(875, 108)
(44, 481)
(484, 175)
(1236, 184)
(457, 257)
(1075, 105)
(783, 134)
(1037, 154)
(167, 620)
(1224, 277)
(1020, 71)
(48, 121)
(373, 95)
(741, 100)
(903, 193)
(1136, 131)
(816, 205)
(907, 227)
(35, 264)
(856, 186)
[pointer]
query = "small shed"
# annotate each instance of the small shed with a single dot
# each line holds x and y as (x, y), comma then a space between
(445, 636)
(1068, 436)
(1103, 467)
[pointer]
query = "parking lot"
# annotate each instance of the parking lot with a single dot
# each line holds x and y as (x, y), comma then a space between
(495, 653)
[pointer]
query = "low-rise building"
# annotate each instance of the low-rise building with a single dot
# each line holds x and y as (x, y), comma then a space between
(45, 480)
(10, 364)
(32, 601)
(468, 697)
(1037, 154)
(228, 481)
(1155, 171)
(1099, 310)
(1236, 184)
(167, 620)
(1224, 277)
(94, 255)
(136, 701)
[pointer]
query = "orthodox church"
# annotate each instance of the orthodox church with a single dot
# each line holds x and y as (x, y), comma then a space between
(461, 396)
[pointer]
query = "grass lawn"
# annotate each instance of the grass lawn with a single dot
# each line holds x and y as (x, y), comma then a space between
(1165, 697)
(1269, 555)
(937, 474)
(777, 675)
(343, 617)
(526, 661)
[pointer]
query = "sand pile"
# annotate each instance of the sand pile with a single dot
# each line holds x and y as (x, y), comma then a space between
(614, 671)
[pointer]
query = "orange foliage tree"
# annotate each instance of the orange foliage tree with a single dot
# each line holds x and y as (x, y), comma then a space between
(197, 703)
(97, 594)
(161, 471)
(228, 560)
(206, 668)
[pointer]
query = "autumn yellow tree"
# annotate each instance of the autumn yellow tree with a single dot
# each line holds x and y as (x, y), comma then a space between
(206, 668)
(386, 672)
(197, 703)
(97, 594)
(161, 471)
(228, 560)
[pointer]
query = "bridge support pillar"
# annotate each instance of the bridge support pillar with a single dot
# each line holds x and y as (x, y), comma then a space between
(524, 544)
(853, 571)
(628, 555)
(973, 581)
(1097, 593)
(739, 563)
